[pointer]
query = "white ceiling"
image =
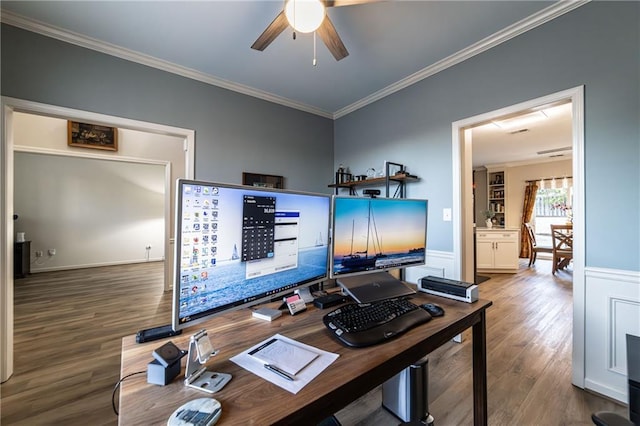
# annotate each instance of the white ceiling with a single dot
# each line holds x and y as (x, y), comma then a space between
(541, 136)
(392, 44)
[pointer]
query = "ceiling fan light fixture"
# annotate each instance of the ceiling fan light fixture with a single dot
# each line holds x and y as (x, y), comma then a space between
(304, 16)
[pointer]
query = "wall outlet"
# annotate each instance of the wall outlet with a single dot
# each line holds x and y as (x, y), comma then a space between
(51, 252)
(39, 253)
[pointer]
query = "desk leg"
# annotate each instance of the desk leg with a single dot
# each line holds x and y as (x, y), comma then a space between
(480, 371)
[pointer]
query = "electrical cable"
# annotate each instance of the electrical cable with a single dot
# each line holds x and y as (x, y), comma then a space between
(113, 395)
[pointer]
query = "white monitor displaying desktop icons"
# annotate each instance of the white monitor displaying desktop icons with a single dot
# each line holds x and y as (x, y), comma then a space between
(237, 246)
(377, 234)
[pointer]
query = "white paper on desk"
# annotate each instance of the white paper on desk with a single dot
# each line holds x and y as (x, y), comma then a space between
(302, 378)
(288, 357)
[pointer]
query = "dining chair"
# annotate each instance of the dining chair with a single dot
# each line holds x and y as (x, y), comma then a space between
(562, 238)
(534, 248)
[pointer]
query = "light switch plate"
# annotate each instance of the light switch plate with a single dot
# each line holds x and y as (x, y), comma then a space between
(446, 215)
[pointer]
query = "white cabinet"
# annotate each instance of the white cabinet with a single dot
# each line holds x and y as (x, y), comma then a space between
(497, 250)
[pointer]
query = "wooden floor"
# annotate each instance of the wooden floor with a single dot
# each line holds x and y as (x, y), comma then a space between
(68, 329)
(68, 337)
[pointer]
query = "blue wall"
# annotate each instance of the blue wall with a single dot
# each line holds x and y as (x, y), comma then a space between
(596, 45)
(234, 132)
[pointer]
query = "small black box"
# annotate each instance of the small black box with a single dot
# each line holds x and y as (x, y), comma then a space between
(167, 354)
(329, 300)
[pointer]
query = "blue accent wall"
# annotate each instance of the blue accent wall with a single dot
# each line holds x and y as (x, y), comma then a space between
(596, 45)
(234, 132)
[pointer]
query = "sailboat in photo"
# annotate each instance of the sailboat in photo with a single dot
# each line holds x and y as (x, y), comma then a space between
(362, 259)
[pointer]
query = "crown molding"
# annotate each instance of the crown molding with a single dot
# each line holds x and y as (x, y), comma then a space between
(533, 21)
(529, 23)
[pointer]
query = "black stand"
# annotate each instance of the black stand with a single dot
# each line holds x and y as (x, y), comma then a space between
(21, 259)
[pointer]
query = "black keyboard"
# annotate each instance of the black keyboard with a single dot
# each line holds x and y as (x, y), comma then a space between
(366, 324)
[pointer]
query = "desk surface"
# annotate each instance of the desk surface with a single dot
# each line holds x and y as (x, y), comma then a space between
(248, 399)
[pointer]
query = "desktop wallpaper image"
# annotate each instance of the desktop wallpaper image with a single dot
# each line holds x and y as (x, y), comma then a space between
(378, 233)
(212, 274)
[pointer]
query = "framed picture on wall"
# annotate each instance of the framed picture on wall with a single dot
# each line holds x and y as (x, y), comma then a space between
(264, 181)
(94, 136)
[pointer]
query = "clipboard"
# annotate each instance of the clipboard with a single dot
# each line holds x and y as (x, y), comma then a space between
(286, 356)
(321, 361)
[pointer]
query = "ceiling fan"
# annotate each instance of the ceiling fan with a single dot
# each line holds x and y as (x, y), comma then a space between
(294, 14)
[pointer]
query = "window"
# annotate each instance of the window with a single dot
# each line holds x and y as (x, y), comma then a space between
(552, 207)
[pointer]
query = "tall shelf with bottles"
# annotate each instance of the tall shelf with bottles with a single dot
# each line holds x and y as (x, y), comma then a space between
(496, 201)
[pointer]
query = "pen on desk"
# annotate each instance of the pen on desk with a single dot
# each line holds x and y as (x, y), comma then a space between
(279, 372)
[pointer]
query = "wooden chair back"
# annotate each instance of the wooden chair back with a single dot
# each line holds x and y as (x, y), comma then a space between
(531, 236)
(534, 249)
(562, 237)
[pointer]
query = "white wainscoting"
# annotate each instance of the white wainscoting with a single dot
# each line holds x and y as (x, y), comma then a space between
(612, 310)
(438, 264)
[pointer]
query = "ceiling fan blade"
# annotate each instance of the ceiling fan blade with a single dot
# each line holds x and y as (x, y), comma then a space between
(273, 30)
(338, 3)
(330, 37)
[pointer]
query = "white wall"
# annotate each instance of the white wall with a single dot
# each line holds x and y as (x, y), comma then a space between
(93, 211)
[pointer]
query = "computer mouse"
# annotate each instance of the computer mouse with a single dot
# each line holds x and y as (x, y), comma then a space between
(433, 309)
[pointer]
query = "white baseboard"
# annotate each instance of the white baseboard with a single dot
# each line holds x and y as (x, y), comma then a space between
(92, 265)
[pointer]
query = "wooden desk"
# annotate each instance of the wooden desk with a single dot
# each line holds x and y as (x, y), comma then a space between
(248, 399)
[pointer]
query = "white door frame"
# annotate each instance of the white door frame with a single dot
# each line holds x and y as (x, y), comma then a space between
(463, 206)
(11, 105)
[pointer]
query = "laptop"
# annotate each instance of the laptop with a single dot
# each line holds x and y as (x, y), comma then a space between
(369, 288)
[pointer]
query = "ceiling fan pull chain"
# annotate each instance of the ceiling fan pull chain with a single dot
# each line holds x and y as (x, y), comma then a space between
(294, 19)
(315, 62)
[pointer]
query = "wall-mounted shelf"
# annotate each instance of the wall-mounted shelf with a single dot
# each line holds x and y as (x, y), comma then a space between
(401, 178)
(345, 181)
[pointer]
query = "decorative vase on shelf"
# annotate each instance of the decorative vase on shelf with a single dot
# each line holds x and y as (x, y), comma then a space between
(489, 223)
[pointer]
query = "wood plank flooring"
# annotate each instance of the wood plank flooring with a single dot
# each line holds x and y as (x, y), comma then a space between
(68, 332)
(69, 325)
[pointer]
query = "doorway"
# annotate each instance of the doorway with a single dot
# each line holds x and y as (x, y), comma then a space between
(463, 204)
(11, 106)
